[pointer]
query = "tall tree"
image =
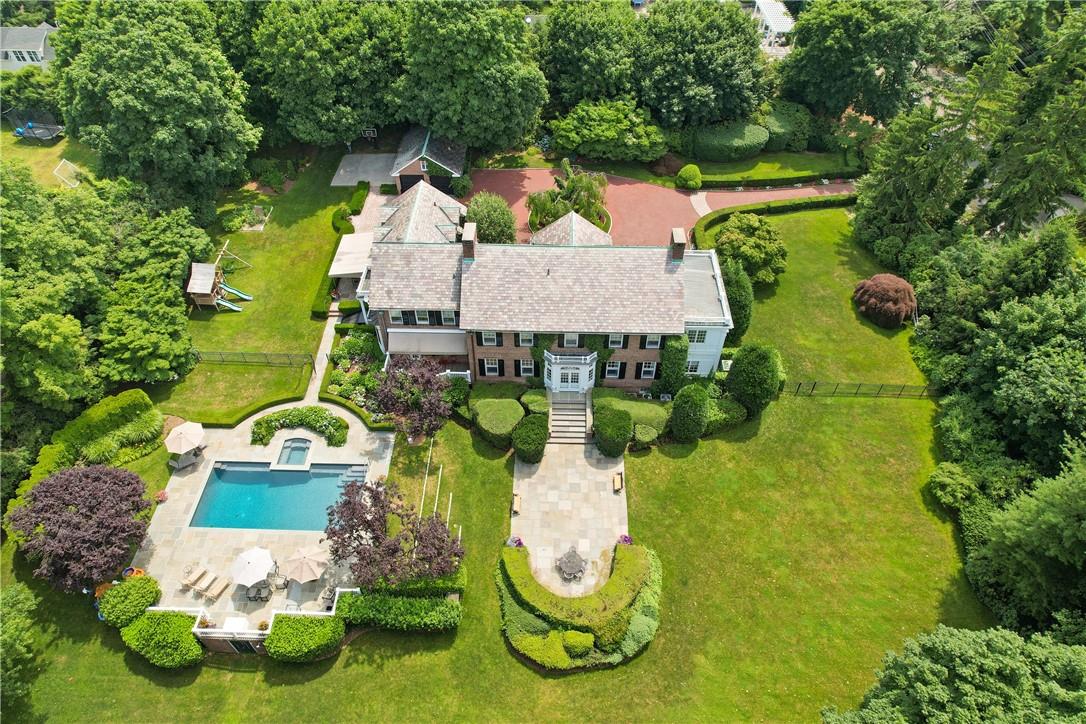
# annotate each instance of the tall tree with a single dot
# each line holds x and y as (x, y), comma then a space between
(588, 50)
(359, 534)
(953, 675)
(330, 66)
(413, 392)
(469, 74)
(1043, 152)
(700, 63)
(146, 85)
(865, 54)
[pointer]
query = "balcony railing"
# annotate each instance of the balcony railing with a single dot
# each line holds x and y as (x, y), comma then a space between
(569, 359)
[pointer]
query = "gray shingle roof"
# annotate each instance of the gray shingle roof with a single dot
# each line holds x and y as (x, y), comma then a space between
(21, 37)
(420, 215)
(592, 290)
(415, 276)
(419, 142)
(572, 230)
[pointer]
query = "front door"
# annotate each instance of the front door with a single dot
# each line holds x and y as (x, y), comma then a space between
(569, 379)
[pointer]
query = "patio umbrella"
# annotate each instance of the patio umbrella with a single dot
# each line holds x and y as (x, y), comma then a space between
(185, 438)
(306, 564)
(252, 566)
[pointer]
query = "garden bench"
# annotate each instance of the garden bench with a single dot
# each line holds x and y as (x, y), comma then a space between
(516, 504)
(617, 483)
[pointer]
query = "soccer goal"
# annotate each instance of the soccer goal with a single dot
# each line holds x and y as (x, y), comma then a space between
(68, 173)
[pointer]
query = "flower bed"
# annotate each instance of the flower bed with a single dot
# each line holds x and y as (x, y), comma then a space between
(332, 428)
(355, 373)
(603, 629)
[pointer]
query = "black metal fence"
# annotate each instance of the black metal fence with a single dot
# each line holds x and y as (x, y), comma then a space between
(271, 359)
(857, 389)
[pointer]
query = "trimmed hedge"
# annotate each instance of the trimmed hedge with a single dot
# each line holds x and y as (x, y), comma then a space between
(729, 141)
(690, 413)
(590, 613)
(388, 190)
(643, 437)
(530, 438)
(612, 428)
(427, 587)
(789, 126)
(358, 198)
(332, 428)
(689, 177)
(724, 413)
(401, 613)
(643, 412)
(496, 420)
(577, 643)
(298, 639)
(704, 239)
(708, 182)
(121, 605)
(164, 638)
(248, 411)
(341, 221)
(536, 402)
(350, 306)
(547, 651)
(495, 391)
(755, 377)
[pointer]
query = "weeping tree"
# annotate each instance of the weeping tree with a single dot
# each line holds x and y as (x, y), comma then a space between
(580, 191)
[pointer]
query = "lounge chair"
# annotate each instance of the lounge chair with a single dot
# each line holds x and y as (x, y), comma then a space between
(194, 577)
(617, 482)
(516, 504)
(218, 589)
(206, 583)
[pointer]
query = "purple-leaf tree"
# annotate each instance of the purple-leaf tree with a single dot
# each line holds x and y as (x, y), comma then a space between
(413, 392)
(80, 524)
(358, 532)
(437, 553)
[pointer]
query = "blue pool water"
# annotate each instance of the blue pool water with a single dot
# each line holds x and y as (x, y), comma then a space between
(252, 495)
(295, 451)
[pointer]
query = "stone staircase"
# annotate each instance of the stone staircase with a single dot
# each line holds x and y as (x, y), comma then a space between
(569, 418)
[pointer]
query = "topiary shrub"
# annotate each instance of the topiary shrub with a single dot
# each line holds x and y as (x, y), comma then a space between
(494, 220)
(755, 377)
(125, 602)
(536, 401)
(341, 222)
(688, 177)
(496, 420)
(530, 438)
(690, 413)
(304, 638)
(612, 428)
(547, 651)
(885, 299)
(789, 126)
(164, 638)
(729, 141)
(724, 413)
(643, 437)
(577, 643)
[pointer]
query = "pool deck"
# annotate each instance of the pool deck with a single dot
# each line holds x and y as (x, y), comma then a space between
(171, 546)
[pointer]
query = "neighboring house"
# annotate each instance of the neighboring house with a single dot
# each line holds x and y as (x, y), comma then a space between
(21, 46)
(775, 23)
(424, 156)
(482, 307)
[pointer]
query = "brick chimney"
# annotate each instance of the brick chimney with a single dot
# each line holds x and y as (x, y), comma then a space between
(678, 245)
(467, 241)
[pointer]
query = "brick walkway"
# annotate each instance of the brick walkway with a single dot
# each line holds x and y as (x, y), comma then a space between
(567, 500)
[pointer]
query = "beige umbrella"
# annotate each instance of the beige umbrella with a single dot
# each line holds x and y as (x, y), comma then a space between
(185, 438)
(306, 564)
(252, 566)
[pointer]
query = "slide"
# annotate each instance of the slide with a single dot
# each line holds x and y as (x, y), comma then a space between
(227, 305)
(235, 292)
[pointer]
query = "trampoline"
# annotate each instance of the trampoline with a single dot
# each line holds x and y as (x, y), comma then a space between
(38, 126)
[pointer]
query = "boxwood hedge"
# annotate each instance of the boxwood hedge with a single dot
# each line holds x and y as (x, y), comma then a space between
(496, 419)
(690, 413)
(164, 638)
(125, 602)
(304, 638)
(729, 141)
(402, 613)
(530, 438)
(612, 428)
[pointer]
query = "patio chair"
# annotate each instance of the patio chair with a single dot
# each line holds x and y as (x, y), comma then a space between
(206, 583)
(194, 577)
(253, 593)
(213, 592)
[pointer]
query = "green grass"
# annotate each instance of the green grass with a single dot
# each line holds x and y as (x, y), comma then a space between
(495, 391)
(644, 412)
(289, 260)
(43, 158)
(531, 157)
(797, 548)
(771, 165)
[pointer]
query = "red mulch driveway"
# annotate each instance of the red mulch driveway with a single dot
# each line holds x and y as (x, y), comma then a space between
(642, 214)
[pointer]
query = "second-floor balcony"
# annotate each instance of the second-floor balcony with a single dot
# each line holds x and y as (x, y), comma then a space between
(569, 359)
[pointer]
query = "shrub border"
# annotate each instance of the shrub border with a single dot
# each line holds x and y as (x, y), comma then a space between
(700, 232)
(324, 396)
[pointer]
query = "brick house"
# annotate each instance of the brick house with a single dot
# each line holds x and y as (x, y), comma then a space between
(484, 308)
(424, 156)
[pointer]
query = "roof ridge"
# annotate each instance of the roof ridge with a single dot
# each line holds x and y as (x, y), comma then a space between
(425, 143)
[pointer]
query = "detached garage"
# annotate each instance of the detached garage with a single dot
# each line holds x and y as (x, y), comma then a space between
(424, 156)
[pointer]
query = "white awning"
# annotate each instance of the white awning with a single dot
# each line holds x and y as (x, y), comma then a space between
(427, 341)
(775, 15)
(353, 255)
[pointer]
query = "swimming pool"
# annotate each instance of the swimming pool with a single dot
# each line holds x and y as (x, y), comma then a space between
(252, 495)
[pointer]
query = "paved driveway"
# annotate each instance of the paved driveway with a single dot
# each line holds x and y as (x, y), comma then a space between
(372, 167)
(642, 214)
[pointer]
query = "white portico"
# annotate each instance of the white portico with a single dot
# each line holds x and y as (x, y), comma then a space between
(569, 372)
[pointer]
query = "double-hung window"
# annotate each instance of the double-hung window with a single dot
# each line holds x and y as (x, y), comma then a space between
(692, 367)
(527, 368)
(525, 339)
(652, 341)
(422, 316)
(612, 370)
(648, 370)
(396, 316)
(490, 367)
(448, 317)
(571, 340)
(490, 339)
(614, 341)
(696, 336)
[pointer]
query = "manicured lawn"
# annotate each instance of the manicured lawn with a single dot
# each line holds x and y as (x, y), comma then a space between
(797, 549)
(531, 157)
(644, 412)
(289, 260)
(43, 158)
(772, 165)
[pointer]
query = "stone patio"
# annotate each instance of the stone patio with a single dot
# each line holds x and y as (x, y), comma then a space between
(567, 500)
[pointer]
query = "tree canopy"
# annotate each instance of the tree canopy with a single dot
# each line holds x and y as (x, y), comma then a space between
(146, 85)
(754, 242)
(610, 129)
(700, 63)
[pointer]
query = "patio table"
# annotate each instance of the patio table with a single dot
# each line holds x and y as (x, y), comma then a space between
(571, 565)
